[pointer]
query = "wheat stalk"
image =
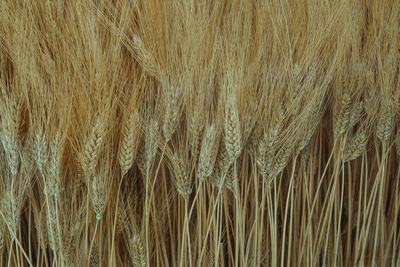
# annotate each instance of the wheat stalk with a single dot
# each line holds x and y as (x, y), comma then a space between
(151, 143)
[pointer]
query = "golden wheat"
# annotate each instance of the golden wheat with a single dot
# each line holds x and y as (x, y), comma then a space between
(199, 133)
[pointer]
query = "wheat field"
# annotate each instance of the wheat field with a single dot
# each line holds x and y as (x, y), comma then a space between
(199, 133)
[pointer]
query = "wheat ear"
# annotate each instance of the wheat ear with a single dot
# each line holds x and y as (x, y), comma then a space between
(207, 154)
(232, 128)
(9, 137)
(384, 127)
(223, 163)
(136, 251)
(183, 182)
(41, 151)
(144, 57)
(195, 128)
(266, 151)
(398, 143)
(355, 114)
(53, 179)
(230, 180)
(171, 118)
(10, 208)
(129, 143)
(2, 241)
(355, 146)
(99, 196)
(92, 149)
(282, 158)
(342, 116)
